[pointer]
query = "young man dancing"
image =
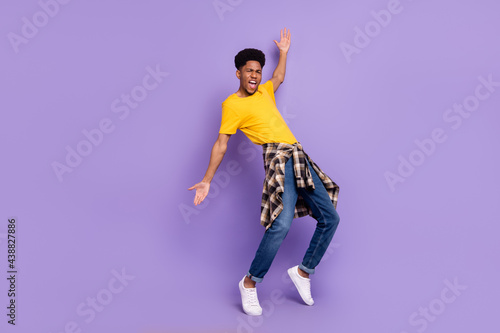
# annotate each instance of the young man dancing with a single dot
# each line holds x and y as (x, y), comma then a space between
(294, 185)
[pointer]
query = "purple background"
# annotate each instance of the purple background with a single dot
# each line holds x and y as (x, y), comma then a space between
(126, 207)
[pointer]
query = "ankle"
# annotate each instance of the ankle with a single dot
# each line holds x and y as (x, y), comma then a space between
(249, 283)
(303, 274)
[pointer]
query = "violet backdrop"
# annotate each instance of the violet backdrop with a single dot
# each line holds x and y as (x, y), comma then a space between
(109, 112)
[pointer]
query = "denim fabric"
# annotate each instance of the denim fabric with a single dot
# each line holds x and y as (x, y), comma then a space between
(323, 211)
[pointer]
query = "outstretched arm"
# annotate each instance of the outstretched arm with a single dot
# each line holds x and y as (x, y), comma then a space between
(283, 46)
(218, 151)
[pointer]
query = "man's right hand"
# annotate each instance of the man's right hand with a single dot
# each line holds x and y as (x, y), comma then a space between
(218, 151)
(201, 191)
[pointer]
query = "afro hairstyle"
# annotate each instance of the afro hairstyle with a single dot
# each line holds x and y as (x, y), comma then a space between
(245, 55)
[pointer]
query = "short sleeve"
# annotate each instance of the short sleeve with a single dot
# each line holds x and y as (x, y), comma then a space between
(268, 86)
(230, 121)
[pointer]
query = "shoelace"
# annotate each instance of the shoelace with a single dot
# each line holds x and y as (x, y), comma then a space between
(252, 297)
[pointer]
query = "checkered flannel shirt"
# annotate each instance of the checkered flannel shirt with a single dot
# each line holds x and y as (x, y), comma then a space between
(275, 156)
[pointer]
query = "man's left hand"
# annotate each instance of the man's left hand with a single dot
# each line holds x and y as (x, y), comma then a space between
(284, 43)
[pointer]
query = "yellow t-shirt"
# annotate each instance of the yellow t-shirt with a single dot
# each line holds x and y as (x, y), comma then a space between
(257, 116)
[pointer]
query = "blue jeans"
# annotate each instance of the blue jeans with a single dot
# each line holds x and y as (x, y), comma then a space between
(323, 212)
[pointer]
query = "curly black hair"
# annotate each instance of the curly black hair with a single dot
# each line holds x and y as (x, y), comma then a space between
(245, 55)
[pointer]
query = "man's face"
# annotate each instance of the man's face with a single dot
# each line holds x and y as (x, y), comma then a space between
(250, 76)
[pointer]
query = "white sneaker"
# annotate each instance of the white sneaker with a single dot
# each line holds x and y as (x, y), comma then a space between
(249, 300)
(302, 284)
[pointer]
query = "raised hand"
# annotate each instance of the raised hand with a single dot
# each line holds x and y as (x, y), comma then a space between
(201, 192)
(284, 43)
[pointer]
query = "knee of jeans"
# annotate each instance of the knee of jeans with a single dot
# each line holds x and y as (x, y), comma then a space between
(332, 218)
(279, 228)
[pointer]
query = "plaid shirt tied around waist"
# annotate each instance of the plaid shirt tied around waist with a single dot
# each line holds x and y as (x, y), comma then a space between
(275, 157)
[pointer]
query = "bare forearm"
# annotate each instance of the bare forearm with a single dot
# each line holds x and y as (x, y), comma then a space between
(216, 156)
(280, 70)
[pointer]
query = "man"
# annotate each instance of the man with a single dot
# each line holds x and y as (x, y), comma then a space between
(294, 186)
